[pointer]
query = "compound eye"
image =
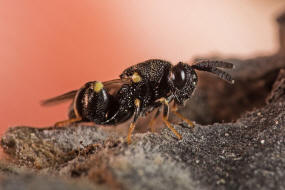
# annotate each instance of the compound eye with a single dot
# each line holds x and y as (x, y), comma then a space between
(178, 77)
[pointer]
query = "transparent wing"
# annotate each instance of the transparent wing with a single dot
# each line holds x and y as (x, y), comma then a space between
(112, 86)
(59, 99)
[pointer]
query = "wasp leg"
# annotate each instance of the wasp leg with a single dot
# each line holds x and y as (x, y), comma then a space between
(153, 120)
(165, 117)
(133, 124)
(67, 122)
(174, 110)
(72, 118)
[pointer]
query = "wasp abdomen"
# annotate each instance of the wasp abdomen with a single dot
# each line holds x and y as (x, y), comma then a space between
(94, 103)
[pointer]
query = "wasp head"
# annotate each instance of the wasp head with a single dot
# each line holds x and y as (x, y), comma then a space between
(182, 80)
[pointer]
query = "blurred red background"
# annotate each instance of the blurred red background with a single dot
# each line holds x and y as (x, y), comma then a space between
(50, 47)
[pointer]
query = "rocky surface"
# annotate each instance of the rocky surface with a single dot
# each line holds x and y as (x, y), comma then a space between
(247, 152)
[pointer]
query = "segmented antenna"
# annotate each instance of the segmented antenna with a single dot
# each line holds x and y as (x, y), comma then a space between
(211, 66)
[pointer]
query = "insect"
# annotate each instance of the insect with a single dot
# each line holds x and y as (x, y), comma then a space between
(140, 89)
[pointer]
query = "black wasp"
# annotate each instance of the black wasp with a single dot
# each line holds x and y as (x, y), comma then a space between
(141, 89)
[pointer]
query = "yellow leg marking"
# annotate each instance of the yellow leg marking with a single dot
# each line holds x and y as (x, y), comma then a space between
(168, 124)
(132, 126)
(174, 110)
(190, 123)
(67, 122)
(131, 129)
(137, 102)
(163, 100)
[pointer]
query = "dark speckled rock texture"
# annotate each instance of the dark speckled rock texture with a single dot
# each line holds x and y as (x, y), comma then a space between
(247, 152)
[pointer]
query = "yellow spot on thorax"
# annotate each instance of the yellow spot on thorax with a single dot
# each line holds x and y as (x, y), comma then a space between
(136, 77)
(98, 86)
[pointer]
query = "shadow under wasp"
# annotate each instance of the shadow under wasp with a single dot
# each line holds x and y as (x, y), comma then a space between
(141, 89)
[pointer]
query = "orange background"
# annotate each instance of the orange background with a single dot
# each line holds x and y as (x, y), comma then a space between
(50, 47)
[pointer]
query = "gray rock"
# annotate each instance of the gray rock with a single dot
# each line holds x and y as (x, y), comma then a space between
(32, 182)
